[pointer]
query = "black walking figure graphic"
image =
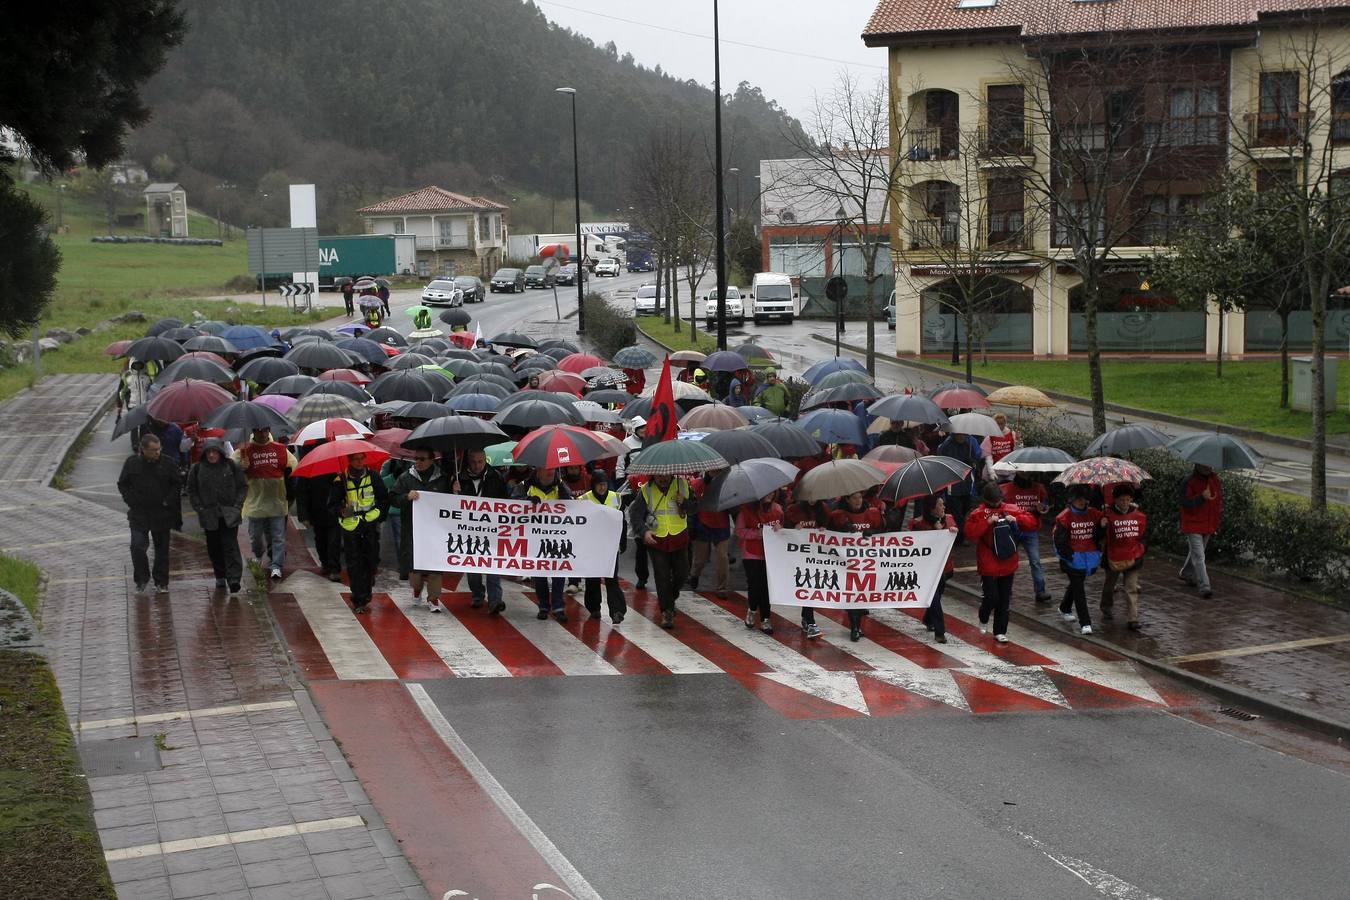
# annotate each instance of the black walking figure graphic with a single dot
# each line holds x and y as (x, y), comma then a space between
(892, 581)
(832, 580)
(454, 543)
(566, 549)
(482, 545)
(801, 578)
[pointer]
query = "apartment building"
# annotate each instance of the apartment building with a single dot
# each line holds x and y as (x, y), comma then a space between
(455, 233)
(1002, 110)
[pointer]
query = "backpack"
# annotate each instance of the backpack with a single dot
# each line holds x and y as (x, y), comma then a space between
(1001, 540)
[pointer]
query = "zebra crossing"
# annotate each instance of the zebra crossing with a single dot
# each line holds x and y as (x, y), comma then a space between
(895, 669)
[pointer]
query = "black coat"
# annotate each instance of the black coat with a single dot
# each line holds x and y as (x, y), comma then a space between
(152, 492)
(436, 482)
(217, 492)
(311, 499)
(489, 484)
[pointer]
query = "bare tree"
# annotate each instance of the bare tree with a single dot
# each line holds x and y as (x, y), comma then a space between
(849, 169)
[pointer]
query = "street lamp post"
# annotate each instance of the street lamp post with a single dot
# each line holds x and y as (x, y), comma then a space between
(839, 216)
(721, 204)
(576, 187)
(737, 172)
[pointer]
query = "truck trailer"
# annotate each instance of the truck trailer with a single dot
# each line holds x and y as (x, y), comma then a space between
(355, 255)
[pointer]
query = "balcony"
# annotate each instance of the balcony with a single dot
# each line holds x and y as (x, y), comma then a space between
(924, 144)
(1004, 231)
(1207, 130)
(1284, 130)
(1004, 143)
(930, 234)
(442, 242)
(1340, 127)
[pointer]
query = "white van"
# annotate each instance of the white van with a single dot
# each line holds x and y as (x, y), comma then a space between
(772, 297)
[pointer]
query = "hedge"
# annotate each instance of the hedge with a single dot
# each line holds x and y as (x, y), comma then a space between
(608, 329)
(1282, 537)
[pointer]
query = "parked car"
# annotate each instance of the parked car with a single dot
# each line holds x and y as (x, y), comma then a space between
(538, 277)
(644, 302)
(508, 281)
(735, 310)
(607, 267)
(472, 286)
(442, 292)
(890, 312)
(568, 274)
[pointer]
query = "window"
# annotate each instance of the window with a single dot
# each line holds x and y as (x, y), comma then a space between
(1123, 115)
(1076, 137)
(1169, 215)
(1274, 177)
(1007, 120)
(1279, 119)
(1005, 212)
(1192, 118)
(496, 228)
(1340, 108)
(1075, 222)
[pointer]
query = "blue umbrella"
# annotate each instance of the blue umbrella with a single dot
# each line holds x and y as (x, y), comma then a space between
(247, 337)
(474, 403)
(366, 349)
(826, 367)
(725, 361)
(833, 426)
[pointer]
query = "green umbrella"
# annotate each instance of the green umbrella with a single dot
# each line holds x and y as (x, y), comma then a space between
(677, 458)
(501, 454)
(414, 310)
(449, 376)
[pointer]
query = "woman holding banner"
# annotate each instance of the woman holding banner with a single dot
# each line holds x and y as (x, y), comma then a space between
(544, 487)
(857, 516)
(934, 516)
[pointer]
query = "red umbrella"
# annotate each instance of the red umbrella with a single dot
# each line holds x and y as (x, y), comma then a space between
(206, 355)
(565, 382)
(463, 339)
(391, 439)
(116, 348)
(960, 398)
(391, 350)
(331, 458)
(553, 446)
(579, 362)
(188, 400)
(351, 376)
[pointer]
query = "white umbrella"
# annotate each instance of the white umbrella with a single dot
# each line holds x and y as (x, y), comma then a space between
(976, 424)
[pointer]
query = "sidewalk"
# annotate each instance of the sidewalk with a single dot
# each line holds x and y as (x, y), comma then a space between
(210, 771)
(1261, 646)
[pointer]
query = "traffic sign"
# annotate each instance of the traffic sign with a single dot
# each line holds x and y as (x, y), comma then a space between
(297, 290)
(836, 289)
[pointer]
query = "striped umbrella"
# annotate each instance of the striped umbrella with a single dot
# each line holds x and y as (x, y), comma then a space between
(338, 429)
(555, 446)
(677, 458)
(315, 407)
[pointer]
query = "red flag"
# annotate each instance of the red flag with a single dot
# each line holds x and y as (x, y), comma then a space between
(663, 422)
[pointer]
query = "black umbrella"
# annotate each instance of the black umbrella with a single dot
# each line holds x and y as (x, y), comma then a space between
(460, 368)
(450, 433)
(211, 326)
(1035, 459)
(473, 403)
(924, 476)
(292, 385)
(341, 389)
(638, 406)
(496, 367)
(788, 438)
(484, 386)
(455, 317)
(747, 482)
(844, 393)
(256, 353)
(635, 357)
(162, 326)
(410, 360)
(409, 385)
(557, 353)
(608, 396)
(319, 355)
(138, 417)
(516, 339)
(530, 414)
(386, 335)
(241, 419)
(1126, 439)
(153, 349)
(458, 353)
(909, 408)
(431, 346)
(500, 381)
(566, 400)
(201, 369)
(560, 343)
(365, 350)
(739, 446)
(211, 344)
(266, 369)
(536, 364)
(320, 333)
(424, 409)
(181, 335)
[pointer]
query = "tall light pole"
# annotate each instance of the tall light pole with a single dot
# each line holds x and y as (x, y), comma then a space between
(721, 204)
(576, 187)
(737, 172)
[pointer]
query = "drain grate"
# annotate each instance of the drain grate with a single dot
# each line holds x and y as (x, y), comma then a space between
(119, 756)
(1233, 712)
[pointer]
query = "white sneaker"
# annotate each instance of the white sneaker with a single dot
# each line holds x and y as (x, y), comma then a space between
(1069, 617)
(434, 605)
(1086, 629)
(1001, 638)
(276, 573)
(984, 628)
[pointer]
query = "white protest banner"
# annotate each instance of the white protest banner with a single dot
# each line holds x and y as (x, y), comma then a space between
(837, 570)
(564, 538)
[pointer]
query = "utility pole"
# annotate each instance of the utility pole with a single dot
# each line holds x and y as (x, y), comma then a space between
(576, 187)
(721, 204)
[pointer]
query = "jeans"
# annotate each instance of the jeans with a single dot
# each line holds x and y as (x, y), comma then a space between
(222, 545)
(1193, 569)
(550, 594)
(718, 551)
(933, 614)
(1031, 543)
(493, 590)
(140, 560)
(997, 598)
(1075, 595)
(268, 534)
(671, 571)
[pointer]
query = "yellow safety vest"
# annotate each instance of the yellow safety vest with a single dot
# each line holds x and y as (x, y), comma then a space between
(539, 494)
(611, 499)
(670, 520)
(361, 498)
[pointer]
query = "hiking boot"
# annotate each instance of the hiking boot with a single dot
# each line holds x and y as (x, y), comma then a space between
(541, 615)
(750, 619)
(668, 619)
(812, 630)
(940, 638)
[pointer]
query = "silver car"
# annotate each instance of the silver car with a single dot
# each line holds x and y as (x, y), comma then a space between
(442, 292)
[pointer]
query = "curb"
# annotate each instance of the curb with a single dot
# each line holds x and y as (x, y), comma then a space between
(1312, 721)
(1131, 411)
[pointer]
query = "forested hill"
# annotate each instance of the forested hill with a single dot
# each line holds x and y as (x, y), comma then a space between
(364, 98)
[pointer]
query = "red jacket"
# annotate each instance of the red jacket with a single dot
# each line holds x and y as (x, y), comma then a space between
(1198, 515)
(864, 522)
(1002, 445)
(921, 524)
(1125, 533)
(980, 528)
(748, 522)
(1028, 499)
(1080, 528)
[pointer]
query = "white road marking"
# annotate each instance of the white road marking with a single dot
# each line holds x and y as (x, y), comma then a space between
(1102, 882)
(141, 851)
(660, 645)
(562, 648)
(208, 712)
(350, 650)
(1118, 675)
(455, 644)
(1262, 648)
(892, 668)
(576, 883)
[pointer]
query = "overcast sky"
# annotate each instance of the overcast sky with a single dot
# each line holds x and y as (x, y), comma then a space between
(809, 41)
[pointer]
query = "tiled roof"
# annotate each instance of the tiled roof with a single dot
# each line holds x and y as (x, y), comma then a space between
(1042, 18)
(431, 199)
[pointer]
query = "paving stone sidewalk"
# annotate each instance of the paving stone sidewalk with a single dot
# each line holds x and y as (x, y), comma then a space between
(1290, 650)
(211, 773)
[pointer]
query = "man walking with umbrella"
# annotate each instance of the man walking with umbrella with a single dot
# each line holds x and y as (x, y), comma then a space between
(268, 465)
(423, 475)
(659, 516)
(478, 479)
(1201, 497)
(618, 606)
(360, 501)
(149, 485)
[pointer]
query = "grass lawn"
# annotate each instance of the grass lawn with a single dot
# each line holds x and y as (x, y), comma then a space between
(675, 336)
(21, 578)
(1247, 396)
